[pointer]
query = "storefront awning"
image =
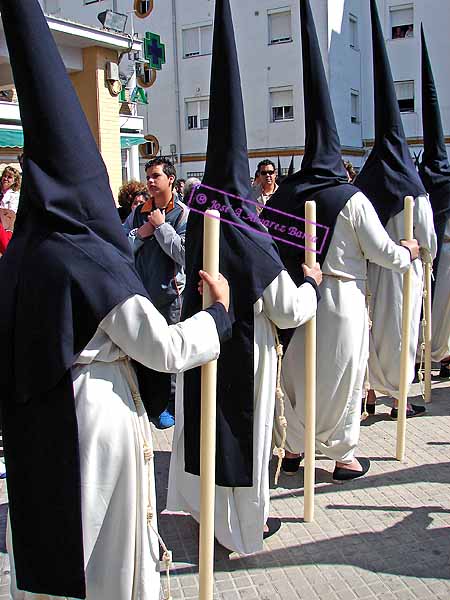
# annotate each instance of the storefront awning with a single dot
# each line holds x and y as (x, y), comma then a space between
(126, 141)
(11, 138)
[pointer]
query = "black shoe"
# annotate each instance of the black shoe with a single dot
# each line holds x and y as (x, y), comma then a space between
(369, 408)
(415, 411)
(341, 474)
(290, 466)
(274, 524)
(445, 370)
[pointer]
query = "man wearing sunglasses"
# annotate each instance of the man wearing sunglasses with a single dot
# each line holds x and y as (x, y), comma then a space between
(267, 182)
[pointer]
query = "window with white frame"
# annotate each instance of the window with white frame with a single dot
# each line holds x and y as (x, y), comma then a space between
(354, 106)
(405, 95)
(281, 104)
(197, 41)
(197, 112)
(353, 31)
(280, 26)
(402, 21)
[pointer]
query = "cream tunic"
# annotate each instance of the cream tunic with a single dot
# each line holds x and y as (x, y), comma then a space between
(386, 287)
(440, 343)
(241, 512)
(342, 334)
(121, 552)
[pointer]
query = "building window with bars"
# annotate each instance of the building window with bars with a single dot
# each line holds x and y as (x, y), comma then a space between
(353, 31)
(197, 112)
(402, 21)
(197, 41)
(405, 95)
(280, 27)
(281, 104)
(354, 106)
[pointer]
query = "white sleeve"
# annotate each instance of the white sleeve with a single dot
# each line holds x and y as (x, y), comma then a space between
(424, 225)
(288, 306)
(140, 330)
(376, 245)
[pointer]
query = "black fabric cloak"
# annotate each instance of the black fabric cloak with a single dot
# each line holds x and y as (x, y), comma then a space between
(249, 260)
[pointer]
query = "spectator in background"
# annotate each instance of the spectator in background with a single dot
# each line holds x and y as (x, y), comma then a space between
(131, 194)
(179, 186)
(267, 186)
(10, 188)
(398, 33)
(409, 32)
(351, 173)
(255, 181)
(158, 243)
(191, 182)
(5, 236)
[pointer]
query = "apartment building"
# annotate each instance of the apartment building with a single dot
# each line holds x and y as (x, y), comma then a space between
(269, 47)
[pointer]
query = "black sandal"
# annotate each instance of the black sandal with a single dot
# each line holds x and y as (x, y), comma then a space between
(290, 466)
(415, 411)
(274, 525)
(340, 474)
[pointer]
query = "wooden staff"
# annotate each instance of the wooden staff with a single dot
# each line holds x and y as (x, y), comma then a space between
(310, 375)
(211, 238)
(406, 324)
(427, 328)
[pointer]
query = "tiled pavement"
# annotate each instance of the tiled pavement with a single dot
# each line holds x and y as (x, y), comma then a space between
(384, 536)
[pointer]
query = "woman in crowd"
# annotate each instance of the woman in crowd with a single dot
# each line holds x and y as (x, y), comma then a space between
(10, 188)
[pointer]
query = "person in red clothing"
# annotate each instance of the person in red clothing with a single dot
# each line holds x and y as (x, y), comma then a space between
(5, 236)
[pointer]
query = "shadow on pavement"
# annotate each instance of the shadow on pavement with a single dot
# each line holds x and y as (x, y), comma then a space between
(416, 546)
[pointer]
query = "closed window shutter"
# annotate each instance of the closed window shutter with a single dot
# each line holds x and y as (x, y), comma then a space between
(206, 39)
(280, 26)
(403, 16)
(404, 90)
(191, 42)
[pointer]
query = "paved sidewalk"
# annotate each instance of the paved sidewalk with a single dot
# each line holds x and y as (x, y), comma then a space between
(384, 536)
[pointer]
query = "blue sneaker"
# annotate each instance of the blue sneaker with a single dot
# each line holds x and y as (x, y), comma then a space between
(165, 420)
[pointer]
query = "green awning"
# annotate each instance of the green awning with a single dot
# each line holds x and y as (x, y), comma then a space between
(11, 138)
(126, 141)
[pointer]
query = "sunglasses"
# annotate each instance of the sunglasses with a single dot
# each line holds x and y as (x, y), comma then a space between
(266, 173)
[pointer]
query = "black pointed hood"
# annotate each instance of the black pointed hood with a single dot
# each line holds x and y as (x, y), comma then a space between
(389, 173)
(67, 266)
(291, 168)
(434, 167)
(322, 176)
(248, 258)
(280, 172)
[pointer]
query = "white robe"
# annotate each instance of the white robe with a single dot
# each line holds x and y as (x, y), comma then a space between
(241, 512)
(121, 553)
(342, 334)
(440, 318)
(386, 302)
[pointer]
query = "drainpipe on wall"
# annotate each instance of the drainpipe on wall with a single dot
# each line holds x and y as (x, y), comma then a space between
(177, 81)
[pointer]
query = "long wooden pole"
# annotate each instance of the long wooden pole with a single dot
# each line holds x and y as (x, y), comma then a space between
(427, 332)
(406, 325)
(211, 239)
(310, 375)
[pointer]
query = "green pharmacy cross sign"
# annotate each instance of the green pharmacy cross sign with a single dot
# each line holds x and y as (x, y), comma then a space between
(154, 50)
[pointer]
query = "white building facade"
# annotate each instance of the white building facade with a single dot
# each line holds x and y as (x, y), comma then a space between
(269, 49)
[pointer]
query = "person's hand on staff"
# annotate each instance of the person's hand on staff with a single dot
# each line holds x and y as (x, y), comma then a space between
(413, 247)
(314, 272)
(219, 288)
